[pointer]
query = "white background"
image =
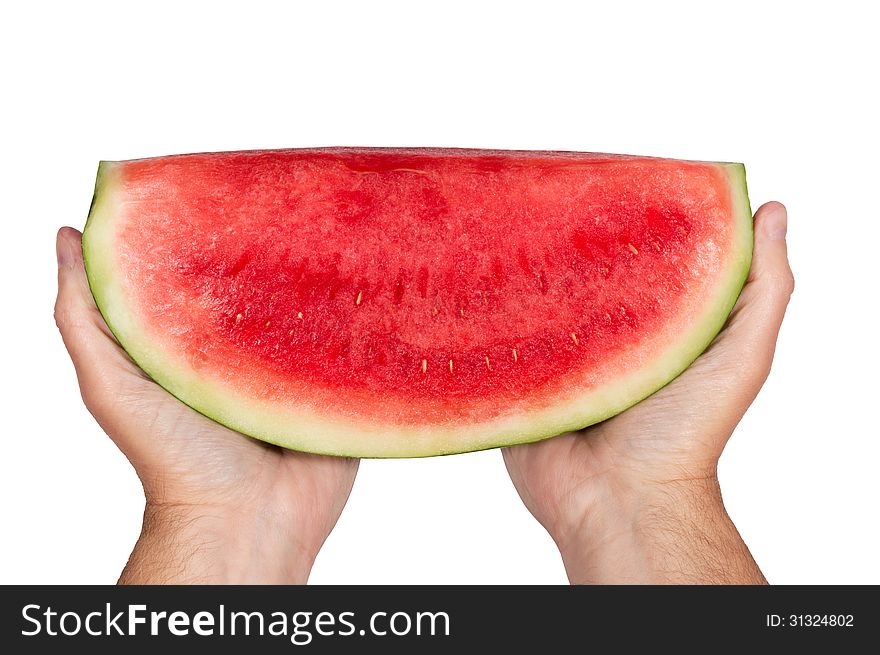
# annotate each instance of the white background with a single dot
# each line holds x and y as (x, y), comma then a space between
(789, 89)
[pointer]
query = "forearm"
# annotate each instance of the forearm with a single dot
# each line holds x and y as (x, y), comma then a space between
(675, 533)
(186, 545)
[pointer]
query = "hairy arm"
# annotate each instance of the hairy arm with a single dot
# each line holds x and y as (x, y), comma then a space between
(186, 545)
(677, 533)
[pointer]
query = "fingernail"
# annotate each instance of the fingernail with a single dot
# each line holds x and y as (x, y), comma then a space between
(776, 223)
(63, 252)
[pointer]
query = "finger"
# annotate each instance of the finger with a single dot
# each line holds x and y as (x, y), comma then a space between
(750, 337)
(770, 266)
(101, 365)
(74, 302)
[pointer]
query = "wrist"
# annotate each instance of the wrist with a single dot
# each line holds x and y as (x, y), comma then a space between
(656, 532)
(203, 544)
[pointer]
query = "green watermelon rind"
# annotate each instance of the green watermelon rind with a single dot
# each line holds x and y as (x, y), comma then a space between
(296, 429)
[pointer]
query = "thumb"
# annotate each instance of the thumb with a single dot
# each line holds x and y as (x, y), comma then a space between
(75, 309)
(754, 324)
(102, 368)
(770, 267)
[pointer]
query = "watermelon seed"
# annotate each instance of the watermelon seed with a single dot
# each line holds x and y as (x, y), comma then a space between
(358, 299)
(424, 366)
(450, 366)
(574, 338)
(238, 318)
(632, 249)
(515, 358)
(299, 315)
(487, 364)
(268, 323)
(290, 334)
(461, 311)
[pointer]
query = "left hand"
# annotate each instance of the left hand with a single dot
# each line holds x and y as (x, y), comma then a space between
(220, 507)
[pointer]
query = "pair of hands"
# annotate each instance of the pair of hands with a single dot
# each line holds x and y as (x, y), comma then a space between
(633, 499)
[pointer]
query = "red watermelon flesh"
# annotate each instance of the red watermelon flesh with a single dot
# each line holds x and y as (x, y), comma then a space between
(407, 302)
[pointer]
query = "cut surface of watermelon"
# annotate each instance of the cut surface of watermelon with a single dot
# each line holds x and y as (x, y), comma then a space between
(413, 302)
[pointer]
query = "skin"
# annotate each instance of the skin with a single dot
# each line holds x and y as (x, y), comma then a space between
(220, 507)
(635, 499)
(632, 500)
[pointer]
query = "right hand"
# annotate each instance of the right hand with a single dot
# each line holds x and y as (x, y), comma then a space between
(653, 469)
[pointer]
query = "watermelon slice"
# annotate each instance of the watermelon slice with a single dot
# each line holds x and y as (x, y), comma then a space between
(414, 302)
